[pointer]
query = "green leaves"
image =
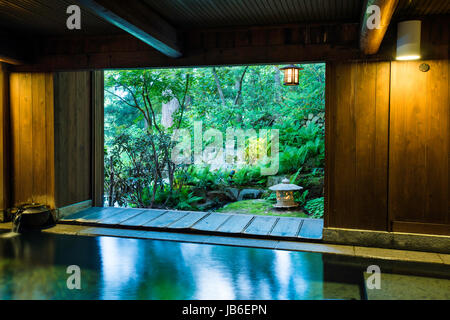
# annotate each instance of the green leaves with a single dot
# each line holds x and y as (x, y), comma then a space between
(138, 170)
(315, 208)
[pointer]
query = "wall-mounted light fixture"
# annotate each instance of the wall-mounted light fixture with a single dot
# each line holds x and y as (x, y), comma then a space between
(291, 75)
(408, 40)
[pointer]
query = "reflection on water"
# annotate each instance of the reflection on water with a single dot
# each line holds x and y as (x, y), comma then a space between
(34, 267)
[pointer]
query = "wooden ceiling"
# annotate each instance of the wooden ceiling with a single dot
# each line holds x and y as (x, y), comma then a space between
(213, 14)
(418, 8)
(48, 17)
(155, 33)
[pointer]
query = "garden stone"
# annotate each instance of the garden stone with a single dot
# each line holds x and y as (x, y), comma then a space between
(232, 193)
(219, 195)
(207, 205)
(249, 194)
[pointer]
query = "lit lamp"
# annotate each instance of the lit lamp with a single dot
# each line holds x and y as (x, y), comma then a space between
(291, 75)
(285, 194)
(408, 40)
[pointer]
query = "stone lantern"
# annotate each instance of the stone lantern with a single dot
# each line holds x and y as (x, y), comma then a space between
(285, 194)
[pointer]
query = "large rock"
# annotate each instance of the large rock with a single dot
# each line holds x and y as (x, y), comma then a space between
(233, 193)
(219, 196)
(246, 194)
(208, 205)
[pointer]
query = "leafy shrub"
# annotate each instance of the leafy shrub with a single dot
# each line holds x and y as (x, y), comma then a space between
(315, 207)
(300, 197)
(309, 155)
(182, 199)
(248, 175)
(205, 179)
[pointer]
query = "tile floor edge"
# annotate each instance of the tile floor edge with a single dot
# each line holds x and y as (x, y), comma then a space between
(439, 244)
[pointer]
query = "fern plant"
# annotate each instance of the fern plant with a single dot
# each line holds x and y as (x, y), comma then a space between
(315, 207)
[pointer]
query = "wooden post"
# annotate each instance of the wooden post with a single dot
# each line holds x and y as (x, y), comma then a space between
(98, 173)
(371, 38)
(4, 178)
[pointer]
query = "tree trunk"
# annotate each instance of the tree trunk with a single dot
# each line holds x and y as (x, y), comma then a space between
(219, 87)
(111, 184)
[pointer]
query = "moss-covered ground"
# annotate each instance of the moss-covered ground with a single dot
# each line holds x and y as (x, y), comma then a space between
(260, 207)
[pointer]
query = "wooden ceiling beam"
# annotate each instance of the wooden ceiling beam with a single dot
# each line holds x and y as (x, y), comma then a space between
(239, 46)
(139, 20)
(10, 59)
(11, 51)
(371, 38)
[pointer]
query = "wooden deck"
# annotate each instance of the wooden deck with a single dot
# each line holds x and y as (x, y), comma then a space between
(199, 222)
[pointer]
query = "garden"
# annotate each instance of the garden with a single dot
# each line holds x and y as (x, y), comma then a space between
(170, 139)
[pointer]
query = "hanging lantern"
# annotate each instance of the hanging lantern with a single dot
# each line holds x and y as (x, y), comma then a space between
(285, 194)
(291, 75)
(408, 40)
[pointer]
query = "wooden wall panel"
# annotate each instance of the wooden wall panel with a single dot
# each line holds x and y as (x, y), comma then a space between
(419, 146)
(4, 180)
(357, 141)
(73, 137)
(98, 146)
(51, 137)
(388, 153)
(31, 108)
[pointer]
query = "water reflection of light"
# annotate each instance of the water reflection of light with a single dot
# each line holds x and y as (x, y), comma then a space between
(119, 261)
(213, 284)
(263, 290)
(212, 278)
(283, 272)
(308, 275)
(245, 286)
(160, 269)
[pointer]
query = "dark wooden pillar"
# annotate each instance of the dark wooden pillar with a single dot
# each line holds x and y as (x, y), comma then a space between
(73, 131)
(97, 138)
(4, 179)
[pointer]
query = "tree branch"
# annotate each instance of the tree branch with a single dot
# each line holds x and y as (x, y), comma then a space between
(238, 95)
(219, 87)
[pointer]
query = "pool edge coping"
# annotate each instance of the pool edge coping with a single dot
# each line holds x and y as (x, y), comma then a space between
(286, 245)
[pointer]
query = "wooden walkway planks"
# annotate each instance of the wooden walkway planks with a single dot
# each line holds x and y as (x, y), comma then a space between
(261, 225)
(144, 217)
(268, 226)
(122, 217)
(236, 224)
(287, 227)
(211, 222)
(191, 218)
(311, 229)
(101, 214)
(81, 214)
(165, 219)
